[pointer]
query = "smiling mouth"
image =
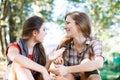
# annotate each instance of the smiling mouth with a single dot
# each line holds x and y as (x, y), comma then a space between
(67, 30)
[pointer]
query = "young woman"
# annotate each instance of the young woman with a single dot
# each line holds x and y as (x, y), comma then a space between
(26, 58)
(83, 54)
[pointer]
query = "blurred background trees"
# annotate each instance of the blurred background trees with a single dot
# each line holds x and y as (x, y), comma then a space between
(14, 12)
(105, 19)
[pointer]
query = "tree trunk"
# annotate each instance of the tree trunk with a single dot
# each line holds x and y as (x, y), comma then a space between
(1, 41)
(12, 30)
(5, 37)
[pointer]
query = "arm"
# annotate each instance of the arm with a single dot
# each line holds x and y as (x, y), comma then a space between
(48, 63)
(54, 55)
(90, 65)
(86, 64)
(23, 61)
(83, 67)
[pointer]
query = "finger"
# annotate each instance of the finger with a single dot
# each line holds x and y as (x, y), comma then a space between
(59, 52)
(58, 78)
(56, 61)
(53, 50)
(54, 71)
(57, 66)
(62, 61)
(59, 60)
(63, 49)
(55, 54)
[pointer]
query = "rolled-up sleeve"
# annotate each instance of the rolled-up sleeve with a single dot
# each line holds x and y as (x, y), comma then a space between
(97, 48)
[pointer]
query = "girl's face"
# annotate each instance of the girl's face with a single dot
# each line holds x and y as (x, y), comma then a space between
(41, 34)
(71, 27)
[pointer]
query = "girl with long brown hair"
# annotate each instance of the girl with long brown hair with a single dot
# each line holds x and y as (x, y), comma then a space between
(27, 58)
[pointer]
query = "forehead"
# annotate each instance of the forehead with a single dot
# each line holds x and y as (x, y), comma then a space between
(69, 19)
(42, 26)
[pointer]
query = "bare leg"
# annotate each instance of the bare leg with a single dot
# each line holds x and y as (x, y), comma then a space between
(20, 73)
(66, 77)
(12, 74)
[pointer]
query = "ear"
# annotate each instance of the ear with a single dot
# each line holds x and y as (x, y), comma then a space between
(35, 32)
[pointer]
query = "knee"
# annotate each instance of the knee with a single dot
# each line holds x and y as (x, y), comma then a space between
(15, 66)
(25, 73)
(69, 77)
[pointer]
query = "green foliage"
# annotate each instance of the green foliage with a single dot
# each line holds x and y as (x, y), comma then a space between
(45, 8)
(77, 1)
(103, 12)
(14, 12)
(104, 16)
(2, 23)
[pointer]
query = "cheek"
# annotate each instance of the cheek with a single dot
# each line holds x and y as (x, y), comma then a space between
(39, 36)
(74, 31)
(42, 35)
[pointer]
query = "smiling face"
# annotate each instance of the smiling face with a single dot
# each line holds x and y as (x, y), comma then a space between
(77, 23)
(71, 27)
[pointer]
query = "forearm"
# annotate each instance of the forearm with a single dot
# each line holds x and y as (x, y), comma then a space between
(48, 64)
(27, 63)
(87, 65)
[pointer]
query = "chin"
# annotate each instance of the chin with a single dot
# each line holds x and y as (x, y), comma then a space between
(68, 35)
(38, 41)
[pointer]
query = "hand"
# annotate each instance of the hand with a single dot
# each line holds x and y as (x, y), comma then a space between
(46, 77)
(59, 61)
(45, 74)
(60, 70)
(56, 53)
(59, 78)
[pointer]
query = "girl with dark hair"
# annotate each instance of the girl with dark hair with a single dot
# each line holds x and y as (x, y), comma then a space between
(26, 58)
(83, 55)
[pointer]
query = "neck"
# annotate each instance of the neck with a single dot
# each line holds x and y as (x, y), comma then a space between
(79, 41)
(30, 44)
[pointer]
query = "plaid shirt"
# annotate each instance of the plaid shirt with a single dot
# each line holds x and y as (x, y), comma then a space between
(72, 57)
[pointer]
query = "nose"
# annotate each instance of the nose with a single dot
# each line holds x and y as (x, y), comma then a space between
(45, 33)
(65, 27)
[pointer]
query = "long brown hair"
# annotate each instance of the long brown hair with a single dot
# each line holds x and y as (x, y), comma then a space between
(82, 20)
(34, 23)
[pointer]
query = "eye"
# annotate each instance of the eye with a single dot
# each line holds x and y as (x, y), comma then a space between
(44, 29)
(67, 22)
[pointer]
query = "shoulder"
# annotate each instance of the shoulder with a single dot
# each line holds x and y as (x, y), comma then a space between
(13, 47)
(96, 42)
(97, 46)
(93, 42)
